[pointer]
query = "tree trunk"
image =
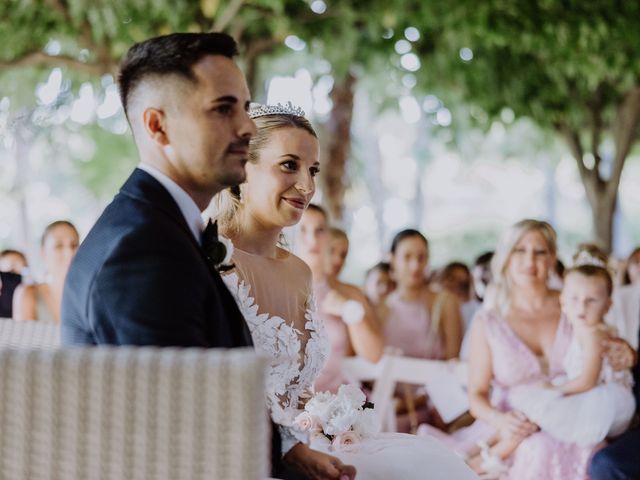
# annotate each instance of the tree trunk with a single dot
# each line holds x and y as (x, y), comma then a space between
(602, 193)
(338, 149)
(602, 211)
(363, 129)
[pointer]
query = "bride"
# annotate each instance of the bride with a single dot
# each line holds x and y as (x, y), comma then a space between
(274, 291)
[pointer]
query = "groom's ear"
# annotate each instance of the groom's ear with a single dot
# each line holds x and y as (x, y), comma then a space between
(155, 122)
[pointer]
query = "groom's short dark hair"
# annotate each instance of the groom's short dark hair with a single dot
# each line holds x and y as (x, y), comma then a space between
(173, 54)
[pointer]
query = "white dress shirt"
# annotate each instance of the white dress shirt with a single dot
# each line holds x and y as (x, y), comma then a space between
(187, 206)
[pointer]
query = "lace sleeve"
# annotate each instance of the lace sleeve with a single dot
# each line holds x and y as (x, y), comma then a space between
(316, 352)
(296, 352)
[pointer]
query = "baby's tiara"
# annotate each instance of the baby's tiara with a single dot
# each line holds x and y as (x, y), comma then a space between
(257, 110)
(585, 258)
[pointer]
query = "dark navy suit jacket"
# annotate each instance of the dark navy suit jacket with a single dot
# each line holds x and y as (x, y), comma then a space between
(141, 278)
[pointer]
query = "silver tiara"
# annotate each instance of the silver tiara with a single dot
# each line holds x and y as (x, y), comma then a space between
(585, 258)
(257, 110)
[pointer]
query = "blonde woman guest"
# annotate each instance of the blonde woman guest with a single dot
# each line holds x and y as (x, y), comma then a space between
(42, 301)
(522, 338)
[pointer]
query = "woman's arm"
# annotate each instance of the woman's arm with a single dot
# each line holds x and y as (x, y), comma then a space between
(24, 303)
(509, 424)
(365, 335)
(592, 348)
(480, 374)
(451, 325)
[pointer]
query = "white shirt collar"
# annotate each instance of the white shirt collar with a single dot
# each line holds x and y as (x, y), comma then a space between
(187, 206)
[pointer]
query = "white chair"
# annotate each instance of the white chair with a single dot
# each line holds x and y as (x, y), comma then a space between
(443, 380)
(28, 334)
(132, 413)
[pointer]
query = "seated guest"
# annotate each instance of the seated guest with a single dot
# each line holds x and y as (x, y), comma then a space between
(417, 320)
(520, 338)
(632, 271)
(456, 279)
(13, 261)
(378, 283)
(619, 460)
(337, 251)
(590, 401)
(348, 318)
(9, 281)
(42, 301)
(481, 273)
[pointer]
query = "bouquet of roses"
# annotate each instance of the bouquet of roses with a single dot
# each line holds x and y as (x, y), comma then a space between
(338, 419)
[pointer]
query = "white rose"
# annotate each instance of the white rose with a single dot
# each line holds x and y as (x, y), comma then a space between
(320, 406)
(352, 394)
(341, 419)
(304, 421)
(367, 422)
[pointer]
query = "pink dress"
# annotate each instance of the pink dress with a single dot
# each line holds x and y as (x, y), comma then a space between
(408, 327)
(330, 377)
(540, 456)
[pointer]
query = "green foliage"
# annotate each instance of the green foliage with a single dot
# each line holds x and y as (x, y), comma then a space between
(545, 60)
(114, 158)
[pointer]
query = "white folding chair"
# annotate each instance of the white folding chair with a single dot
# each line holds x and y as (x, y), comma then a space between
(444, 382)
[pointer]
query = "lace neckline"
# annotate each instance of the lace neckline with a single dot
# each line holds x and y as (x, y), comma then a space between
(282, 254)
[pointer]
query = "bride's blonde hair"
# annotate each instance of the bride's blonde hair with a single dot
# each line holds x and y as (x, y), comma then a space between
(498, 294)
(228, 202)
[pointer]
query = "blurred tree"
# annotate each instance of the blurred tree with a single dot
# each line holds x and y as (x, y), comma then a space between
(571, 66)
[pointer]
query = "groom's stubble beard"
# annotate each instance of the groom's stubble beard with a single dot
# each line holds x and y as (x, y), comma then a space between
(231, 177)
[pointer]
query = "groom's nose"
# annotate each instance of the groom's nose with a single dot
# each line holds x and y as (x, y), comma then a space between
(245, 126)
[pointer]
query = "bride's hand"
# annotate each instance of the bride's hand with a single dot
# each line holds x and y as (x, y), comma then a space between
(515, 424)
(317, 465)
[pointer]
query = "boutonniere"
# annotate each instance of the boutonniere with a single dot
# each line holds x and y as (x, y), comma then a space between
(218, 251)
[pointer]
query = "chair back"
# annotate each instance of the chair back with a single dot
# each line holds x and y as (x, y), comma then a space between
(29, 334)
(444, 382)
(114, 413)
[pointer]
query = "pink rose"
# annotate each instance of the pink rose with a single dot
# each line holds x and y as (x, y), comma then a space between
(304, 421)
(345, 439)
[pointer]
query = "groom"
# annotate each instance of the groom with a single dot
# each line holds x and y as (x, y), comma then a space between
(143, 276)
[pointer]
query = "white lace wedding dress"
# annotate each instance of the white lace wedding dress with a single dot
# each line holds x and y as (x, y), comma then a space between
(275, 298)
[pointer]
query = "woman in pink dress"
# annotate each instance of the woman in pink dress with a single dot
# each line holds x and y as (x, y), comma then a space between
(416, 320)
(347, 316)
(42, 301)
(521, 338)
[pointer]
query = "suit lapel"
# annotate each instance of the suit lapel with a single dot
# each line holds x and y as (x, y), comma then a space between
(146, 189)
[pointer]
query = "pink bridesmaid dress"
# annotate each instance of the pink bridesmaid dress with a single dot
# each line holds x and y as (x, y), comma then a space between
(539, 456)
(408, 327)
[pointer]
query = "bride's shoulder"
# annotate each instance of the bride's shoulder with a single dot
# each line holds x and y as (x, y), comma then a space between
(295, 264)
